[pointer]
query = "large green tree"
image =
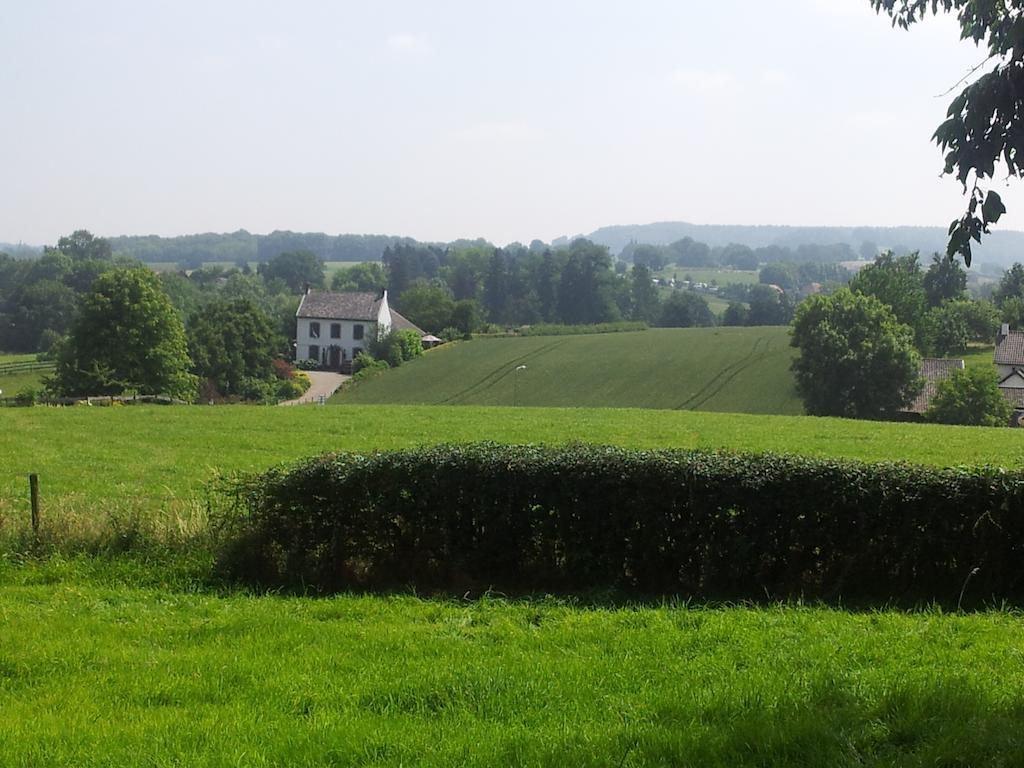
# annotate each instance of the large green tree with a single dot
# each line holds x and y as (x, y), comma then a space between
(231, 342)
(127, 337)
(898, 282)
(944, 280)
(685, 309)
(644, 293)
(428, 305)
(982, 135)
(856, 360)
(295, 268)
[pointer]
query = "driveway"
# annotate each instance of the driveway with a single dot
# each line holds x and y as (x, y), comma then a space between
(324, 385)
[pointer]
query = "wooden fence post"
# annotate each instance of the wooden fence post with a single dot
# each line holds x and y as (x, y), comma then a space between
(33, 484)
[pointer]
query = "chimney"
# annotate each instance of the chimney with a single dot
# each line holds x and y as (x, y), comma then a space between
(1004, 331)
(307, 288)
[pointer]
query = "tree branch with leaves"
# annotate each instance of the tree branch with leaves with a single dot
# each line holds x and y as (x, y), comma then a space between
(984, 126)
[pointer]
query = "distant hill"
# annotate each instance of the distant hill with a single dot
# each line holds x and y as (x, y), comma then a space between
(743, 370)
(1002, 247)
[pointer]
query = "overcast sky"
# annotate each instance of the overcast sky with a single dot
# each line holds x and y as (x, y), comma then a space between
(449, 119)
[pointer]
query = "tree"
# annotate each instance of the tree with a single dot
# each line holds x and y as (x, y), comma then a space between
(230, 342)
(981, 133)
(585, 292)
(690, 253)
(82, 245)
(644, 294)
(768, 306)
(970, 397)
(780, 274)
(127, 336)
(856, 360)
(428, 305)
(1011, 285)
(946, 330)
(295, 268)
(368, 276)
(945, 280)
(685, 309)
(898, 282)
(735, 314)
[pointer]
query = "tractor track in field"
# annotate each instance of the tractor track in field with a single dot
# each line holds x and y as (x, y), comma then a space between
(724, 376)
(499, 373)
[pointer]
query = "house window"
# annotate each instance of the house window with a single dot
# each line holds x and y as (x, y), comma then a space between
(357, 332)
(314, 330)
(314, 352)
(335, 330)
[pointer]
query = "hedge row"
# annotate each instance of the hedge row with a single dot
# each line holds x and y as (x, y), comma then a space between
(716, 525)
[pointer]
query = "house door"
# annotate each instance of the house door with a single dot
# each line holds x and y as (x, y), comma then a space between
(335, 361)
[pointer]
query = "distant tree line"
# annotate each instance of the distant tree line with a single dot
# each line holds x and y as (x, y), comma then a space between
(688, 252)
(241, 247)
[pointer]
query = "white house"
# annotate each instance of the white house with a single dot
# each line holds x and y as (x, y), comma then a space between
(332, 328)
(1009, 362)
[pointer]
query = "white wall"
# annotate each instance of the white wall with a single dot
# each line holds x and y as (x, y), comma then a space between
(347, 342)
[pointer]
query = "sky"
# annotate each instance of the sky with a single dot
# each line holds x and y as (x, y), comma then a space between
(448, 119)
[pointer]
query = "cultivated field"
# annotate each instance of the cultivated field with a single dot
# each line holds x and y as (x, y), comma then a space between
(741, 370)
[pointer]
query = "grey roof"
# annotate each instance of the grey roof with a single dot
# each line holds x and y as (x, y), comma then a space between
(1014, 395)
(1010, 350)
(327, 305)
(933, 370)
(401, 323)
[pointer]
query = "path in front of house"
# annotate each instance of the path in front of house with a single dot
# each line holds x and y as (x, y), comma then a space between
(325, 384)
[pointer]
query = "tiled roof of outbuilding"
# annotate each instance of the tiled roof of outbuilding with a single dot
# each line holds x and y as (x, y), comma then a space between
(402, 323)
(327, 305)
(933, 370)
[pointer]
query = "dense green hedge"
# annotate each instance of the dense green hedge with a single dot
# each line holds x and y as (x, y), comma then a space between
(672, 522)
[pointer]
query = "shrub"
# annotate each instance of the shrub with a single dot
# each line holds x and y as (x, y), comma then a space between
(671, 522)
(307, 365)
(364, 366)
(290, 389)
(970, 397)
(27, 396)
(282, 368)
(397, 347)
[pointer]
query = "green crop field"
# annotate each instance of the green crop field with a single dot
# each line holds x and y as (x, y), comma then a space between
(742, 370)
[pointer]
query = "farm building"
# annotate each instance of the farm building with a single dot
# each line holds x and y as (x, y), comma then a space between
(1009, 362)
(332, 328)
(933, 370)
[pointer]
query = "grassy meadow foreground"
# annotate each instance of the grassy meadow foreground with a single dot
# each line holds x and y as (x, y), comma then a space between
(99, 676)
(741, 370)
(138, 655)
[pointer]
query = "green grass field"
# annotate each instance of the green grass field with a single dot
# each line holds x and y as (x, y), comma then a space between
(143, 658)
(11, 384)
(709, 275)
(743, 370)
(100, 676)
(157, 461)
